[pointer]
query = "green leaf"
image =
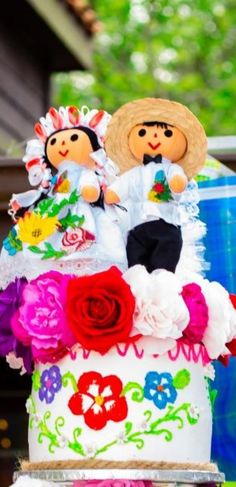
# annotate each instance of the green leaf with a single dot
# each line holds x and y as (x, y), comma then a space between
(73, 197)
(182, 379)
(72, 221)
(14, 241)
(44, 206)
(49, 251)
(35, 249)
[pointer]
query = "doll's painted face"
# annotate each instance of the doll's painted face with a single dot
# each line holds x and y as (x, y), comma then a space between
(157, 138)
(70, 144)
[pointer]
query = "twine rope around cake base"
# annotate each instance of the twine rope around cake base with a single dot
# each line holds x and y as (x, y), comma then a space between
(26, 466)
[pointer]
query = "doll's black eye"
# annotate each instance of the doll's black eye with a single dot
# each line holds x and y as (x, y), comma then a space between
(142, 132)
(168, 133)
(74, 137)
(53, 141)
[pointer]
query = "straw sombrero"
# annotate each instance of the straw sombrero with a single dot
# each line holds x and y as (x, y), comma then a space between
(150, 110)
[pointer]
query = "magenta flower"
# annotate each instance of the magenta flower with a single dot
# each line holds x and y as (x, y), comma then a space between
(198, 310)
(113, 483)
(10, 300)
(41, 321)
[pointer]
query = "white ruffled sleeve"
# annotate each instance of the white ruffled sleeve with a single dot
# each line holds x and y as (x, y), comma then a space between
(88, 178)
(129, 185)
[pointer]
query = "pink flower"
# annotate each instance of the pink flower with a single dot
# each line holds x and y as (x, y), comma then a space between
(40, 321)
(198, 310)
(79, 239)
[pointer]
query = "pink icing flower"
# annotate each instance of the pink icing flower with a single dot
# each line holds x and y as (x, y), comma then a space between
(40, 321)
(78, 239)
(198, 310)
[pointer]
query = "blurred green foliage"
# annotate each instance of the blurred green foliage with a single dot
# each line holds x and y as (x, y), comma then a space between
(183, 50)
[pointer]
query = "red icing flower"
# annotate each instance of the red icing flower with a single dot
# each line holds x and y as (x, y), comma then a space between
(99, 400)
(159, 188)
(79, 239)
(100, 309)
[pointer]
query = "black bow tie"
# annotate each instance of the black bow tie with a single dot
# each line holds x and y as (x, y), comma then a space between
(157, 159)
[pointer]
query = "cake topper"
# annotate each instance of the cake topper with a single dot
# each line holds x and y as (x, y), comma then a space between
(159, 145)
(57, 218)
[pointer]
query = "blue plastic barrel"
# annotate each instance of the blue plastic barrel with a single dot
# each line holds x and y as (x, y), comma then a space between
(218, 211)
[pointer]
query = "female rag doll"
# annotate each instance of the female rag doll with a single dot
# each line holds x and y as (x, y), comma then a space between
(60, 221)
(158, 145)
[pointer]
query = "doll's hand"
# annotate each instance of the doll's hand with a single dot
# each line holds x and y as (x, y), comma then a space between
(178, 183)
(111, 197)
(90, 194)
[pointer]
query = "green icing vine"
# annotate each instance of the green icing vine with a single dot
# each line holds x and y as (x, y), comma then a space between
(69, 378)
(55, 436)
(138, 392)
(153, 428)
(156, 427)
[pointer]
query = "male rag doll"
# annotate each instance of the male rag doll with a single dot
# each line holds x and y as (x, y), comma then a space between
(158, 145)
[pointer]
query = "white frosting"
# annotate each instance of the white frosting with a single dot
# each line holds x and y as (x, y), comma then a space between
(188, 442)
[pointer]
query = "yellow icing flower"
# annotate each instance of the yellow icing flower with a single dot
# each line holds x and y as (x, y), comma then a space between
(34, 228)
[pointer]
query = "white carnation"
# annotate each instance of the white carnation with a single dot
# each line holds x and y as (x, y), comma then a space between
(221, 323)
(160, 310)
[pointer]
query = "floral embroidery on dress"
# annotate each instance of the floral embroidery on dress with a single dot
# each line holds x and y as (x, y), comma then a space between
(11, 243)
(34, 228)
(159, 389)
(99, 400)
(160, 191)
(51, 383)
(78, 239)
(62, 184)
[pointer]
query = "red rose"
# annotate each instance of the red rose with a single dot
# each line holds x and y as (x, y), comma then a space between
(100, 309)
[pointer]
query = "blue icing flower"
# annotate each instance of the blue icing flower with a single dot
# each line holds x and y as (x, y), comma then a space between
(51, 383)
(159, 389)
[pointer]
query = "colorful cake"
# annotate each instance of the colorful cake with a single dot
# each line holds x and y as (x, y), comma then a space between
(101, 296)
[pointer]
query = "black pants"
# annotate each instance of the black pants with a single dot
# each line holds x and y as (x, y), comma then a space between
(154, 244)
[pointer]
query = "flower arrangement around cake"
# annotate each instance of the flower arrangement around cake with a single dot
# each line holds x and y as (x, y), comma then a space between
(47, 318)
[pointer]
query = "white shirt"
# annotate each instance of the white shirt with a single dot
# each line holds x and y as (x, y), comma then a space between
(148, 187)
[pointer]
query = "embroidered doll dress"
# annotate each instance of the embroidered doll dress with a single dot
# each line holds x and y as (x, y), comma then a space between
(63, 227)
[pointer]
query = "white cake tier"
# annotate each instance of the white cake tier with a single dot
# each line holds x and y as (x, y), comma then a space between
(124, 405)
